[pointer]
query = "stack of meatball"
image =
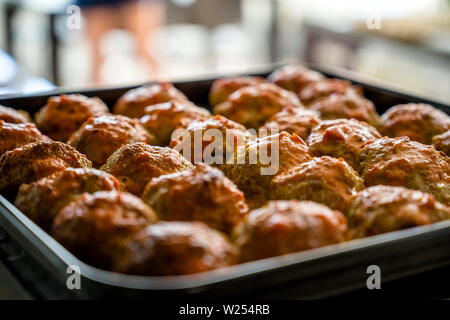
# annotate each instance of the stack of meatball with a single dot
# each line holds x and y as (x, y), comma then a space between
(113, 189)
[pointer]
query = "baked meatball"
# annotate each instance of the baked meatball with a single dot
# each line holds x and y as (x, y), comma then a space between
(293, 120)
(42, 199)
(294, 77)
(162, 119)
(94, 226)
(253, 105)
(341, 138)
(420, 122)
(222, 88)
(174, 248)
(442, 142)
(201, 193)
(37, 160)
(136, 164)
(13, 135)
(324, 88)
(13, 116)
(402, 162)
(325, 180)
(381, 209)
(134, 101)
(347, 105)
(99, 137)
(255, 164)
(282, 227)
(230, 135)
(64, 114)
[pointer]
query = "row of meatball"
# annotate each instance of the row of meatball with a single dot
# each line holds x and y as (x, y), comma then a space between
(85, 211)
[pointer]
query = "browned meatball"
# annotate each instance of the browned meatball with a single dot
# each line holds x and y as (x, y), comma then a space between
(402, 162)
(341, 138)
(294, 77)
(99, 137)
(381, 209)
(255, 164)
(222, 88)
(162, 119)
(293, 120)
(253, 105)
(13, 135)
(37, 160)
(325, 180)
(442, 142)
(174, 248)
(134, 101)
(13, 116)
(136, 164)
(218, 140)
(42, 199)
(323, 88)
(201, 193)
(347, 105)
(282, 227)
(64, 114)
(420, 122)
(95, 225)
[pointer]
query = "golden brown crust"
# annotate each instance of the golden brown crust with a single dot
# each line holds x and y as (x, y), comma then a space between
(222, 88)
(283, 227)
(420, 122)
(99, 137)
(94, 225)
(134, 101)
(64, 114)
(37, 160)
(442, 142)
(341, 138)
(294, 120)
(294, 77)
(162, 119)
(402, 162)
(13, 116)
(174, 248)
(347, 105)
(13, 135)
(253, 105)
(134, 165)
(201, 193)
(246, 168)
(42, 199)
(381, 209)
(232, 135)
(325, 180)
(324, 88)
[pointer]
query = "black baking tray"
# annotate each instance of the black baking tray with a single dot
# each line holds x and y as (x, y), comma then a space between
(40, 263)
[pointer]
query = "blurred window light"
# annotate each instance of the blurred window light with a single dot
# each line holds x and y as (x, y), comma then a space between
(184, 3)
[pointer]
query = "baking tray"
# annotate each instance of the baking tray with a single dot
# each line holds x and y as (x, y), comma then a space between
(40, 263)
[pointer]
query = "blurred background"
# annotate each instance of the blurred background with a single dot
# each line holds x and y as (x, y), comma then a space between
(76, 44)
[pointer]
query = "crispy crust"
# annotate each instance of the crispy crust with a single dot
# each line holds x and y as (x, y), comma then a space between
(64, 114)
(381, 209)
(133, 103)
(136, 164)
(282, 227)
(201, 193)
(402, 162)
